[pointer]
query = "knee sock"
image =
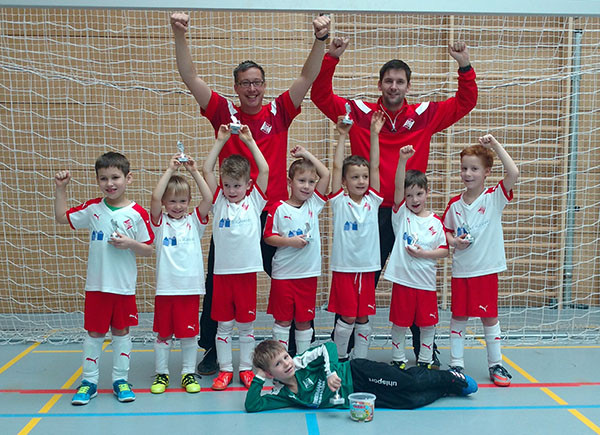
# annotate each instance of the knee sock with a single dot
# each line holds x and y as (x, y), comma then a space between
(426, 352)
(457, 342)
(247, 344)
(362, 339)
(121, 356)
(189, 350)
(281, 334)
(341, 337)
(223, 345)
(399, 343)
(92, 348)
(493, 343)
(303, 340)
(162, 350)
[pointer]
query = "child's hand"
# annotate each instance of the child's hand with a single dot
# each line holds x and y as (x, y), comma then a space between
(461, 242)
(298, 151)
(245, 134)
(377, 121)
(190, 165)
(406, 152)
(174, 163)
(298, 242)
(260, 372)
(62, 178)
(224, 132)
(120, 241)
(341, 127)
(334, 382)
(415, 251)
(488, 141)
(179, 22)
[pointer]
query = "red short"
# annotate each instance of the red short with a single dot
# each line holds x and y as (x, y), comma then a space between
(176, 315)
(352, 294)
(293, 299)
(234, 298)
(410, 305)
(105, 310)
(476, 296)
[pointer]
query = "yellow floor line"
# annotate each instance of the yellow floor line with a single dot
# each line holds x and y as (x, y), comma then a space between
(18, 357)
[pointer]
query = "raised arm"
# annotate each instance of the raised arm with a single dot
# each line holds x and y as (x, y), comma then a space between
(512, 172)
(311, 67)
(205, 191)
(405, 153)
(159, 190)
(208, 169)
(262, 179)
(322, 170)
(460, 52)
(185, 65)
(338, 157)
(61, 179)
(377, 122)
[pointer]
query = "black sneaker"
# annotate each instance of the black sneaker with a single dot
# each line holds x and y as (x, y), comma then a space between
(435, 365)
(428, 366)
(456, 369)
(399, 364)
(209, 364)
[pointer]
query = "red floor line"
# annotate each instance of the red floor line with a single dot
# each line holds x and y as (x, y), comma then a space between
(208, 390)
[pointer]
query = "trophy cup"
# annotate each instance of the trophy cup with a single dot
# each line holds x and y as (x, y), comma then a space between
(347, 119)
(235, 125)
(337, 399)
(182, 158)
(115, 226)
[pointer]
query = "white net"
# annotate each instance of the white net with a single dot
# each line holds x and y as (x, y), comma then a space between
(77, 83)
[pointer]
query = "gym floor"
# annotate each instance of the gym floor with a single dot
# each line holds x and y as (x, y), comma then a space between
(555, 389)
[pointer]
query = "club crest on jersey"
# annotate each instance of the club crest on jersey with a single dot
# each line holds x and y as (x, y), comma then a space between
(481, 210)
(128, 224)
(266, 128)
(408, 123)
(433, 231)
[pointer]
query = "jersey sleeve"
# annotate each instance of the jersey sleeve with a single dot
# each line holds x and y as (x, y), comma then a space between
(441, 240)
(453, 109)
(321, 92)
(79, 216)
(256, 401)
(143, 232)
(214, 111)
(271, 223)
(323, 355)
(285, 104)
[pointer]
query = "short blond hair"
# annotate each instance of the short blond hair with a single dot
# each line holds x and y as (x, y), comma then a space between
(176, 186)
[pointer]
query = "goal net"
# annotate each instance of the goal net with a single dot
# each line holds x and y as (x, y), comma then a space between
(77, 83)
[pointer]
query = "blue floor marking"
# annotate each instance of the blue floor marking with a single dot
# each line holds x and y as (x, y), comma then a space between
(312, 425)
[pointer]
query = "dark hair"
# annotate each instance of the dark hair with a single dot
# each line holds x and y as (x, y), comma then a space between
(265, 352)
(300, 165)
(353, 161)
(485, 154)
(112, 160)
(395, 64)
(236, 166)
(415, 178)
(245, 66)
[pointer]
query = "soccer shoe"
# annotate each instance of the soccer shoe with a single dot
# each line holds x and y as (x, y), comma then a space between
(208, 365)
(456, 369)
(85, 392)
(466, 383)
(122, 390)
(435, 365)
(222, 381)
(160, 384)
(500, 376)
(246, 377)
(428, 366)
(399, 364)
(190, 384)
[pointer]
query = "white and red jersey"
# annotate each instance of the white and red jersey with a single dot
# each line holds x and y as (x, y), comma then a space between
(355, 245)
(179, 262)
(110, 269)
(428, 233)
(413, 124)
(269, 129)
(289, 221)
(236, 233)
(482, 219)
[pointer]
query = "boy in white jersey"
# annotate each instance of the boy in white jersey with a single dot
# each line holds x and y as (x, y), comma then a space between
(119, 230)
(237, 206)
(473, 224)
(179, 269)
(293, 228)
(420, 242)
(355, 251)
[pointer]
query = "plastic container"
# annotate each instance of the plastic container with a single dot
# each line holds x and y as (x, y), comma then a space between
(362, 406)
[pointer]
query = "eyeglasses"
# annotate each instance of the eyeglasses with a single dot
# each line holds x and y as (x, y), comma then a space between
(248, 83)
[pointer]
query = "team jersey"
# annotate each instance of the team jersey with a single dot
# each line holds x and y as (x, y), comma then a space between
(313, 367)
(269, 129)
(289, 221)
(110, 269)
(482, 219)
(355, 245)
(413, 124)
(428, 233)
(179, 262)
(236, 233)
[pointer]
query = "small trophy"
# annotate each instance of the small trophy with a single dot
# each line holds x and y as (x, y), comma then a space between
(347, 119)
(115, 226)
(182, 158)
(466, 231)
(337, 399)
(411, 240)
(235, 125)
(308, 238)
